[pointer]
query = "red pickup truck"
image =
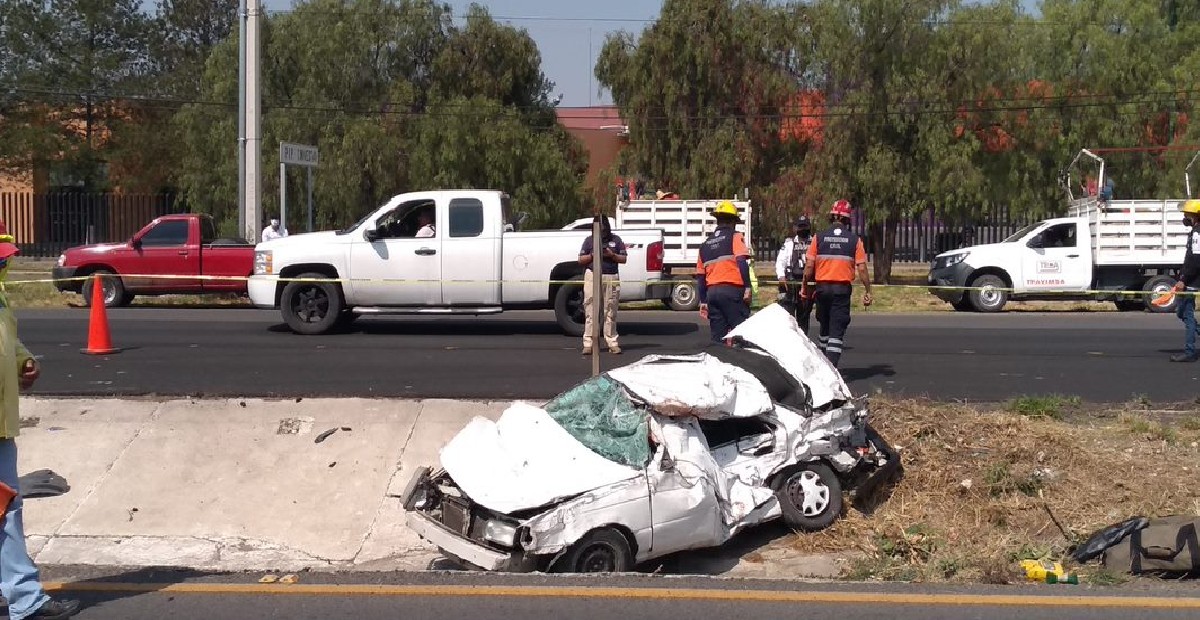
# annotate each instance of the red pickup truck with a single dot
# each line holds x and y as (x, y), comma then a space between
(172, 245)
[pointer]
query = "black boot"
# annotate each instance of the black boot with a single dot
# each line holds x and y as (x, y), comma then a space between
(56, 610)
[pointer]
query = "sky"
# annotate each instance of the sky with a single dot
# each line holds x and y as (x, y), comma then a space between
(569, 34)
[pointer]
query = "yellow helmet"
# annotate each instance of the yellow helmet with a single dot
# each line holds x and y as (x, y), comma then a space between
(1191, 207)
(725, 207)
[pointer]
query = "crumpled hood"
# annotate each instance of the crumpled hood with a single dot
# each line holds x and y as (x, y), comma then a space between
(526, 459)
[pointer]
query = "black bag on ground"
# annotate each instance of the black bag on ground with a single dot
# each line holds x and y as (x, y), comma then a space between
(1168, 545)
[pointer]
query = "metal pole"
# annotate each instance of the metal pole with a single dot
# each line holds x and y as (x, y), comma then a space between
(310, 208)
(253, 122)
(241, 143)
(282, 196)
(597, 292)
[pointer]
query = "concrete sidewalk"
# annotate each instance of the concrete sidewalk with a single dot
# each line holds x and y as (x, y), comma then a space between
(242, 485)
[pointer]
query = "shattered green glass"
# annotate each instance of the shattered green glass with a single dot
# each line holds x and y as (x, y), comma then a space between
(599, 414)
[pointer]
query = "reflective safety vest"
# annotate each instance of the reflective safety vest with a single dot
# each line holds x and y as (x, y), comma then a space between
(718, 257)
(836, 252)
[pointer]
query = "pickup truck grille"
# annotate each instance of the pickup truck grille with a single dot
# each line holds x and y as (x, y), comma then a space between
(456, 515)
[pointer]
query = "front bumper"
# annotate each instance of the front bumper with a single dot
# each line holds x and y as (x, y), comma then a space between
(261, 290)
(62, 280)
(955, 276)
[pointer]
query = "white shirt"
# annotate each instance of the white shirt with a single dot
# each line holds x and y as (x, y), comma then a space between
(785, 257)
(269, 233)
(426, 231)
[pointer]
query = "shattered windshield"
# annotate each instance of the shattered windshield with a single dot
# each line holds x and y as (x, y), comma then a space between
(600, 415)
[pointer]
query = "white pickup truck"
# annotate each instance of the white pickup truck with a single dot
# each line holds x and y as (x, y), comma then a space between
(475, 263)
(1115, 246)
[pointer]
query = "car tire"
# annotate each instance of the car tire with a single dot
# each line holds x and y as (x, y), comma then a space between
(114, 290)
(963, 305)
(1130, 305)
(1155, 287)
(684, 297)
(311, 308)
(810, 497)
(988, 301)
(604, 550)
(568, 307)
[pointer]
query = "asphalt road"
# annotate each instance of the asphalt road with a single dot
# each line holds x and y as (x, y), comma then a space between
(144, 594)
(1101, 357)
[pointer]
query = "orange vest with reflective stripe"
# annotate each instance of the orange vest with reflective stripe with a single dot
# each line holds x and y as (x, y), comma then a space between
(836, 253)
(718, 257)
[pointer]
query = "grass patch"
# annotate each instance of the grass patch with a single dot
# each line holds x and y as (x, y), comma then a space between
(1053, 406)
(980, 486)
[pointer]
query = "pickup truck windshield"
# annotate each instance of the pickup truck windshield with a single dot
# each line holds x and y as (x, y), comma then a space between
(1021, 233)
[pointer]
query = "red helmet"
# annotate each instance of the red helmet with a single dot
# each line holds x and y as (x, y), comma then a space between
(8, 245)
(841, 208)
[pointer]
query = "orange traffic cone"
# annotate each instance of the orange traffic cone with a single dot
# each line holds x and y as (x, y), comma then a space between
(99, 341)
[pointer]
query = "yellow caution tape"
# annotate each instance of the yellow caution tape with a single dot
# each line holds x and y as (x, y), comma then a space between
(572, 282)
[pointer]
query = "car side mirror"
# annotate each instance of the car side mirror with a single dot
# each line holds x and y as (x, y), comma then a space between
(1037, 242)
(371, 235)
(136, 242)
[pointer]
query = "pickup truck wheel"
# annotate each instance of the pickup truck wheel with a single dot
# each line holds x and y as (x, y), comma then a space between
(990, 297)
(568, 307)
(601, 551)
(114, 289)
(810, 497)
(684, 297)
(311, 308)
(1159, 285)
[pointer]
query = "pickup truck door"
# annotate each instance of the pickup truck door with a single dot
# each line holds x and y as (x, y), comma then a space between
(471, 254)
(389, 266)
(164, 248)
(1058, 258)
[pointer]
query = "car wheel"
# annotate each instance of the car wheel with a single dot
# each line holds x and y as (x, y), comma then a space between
(810, 497)
(311, 308)
(601, 551)
(1159, 285)
(989, 295)
(113, 289)
(684, 297)
(568, 307)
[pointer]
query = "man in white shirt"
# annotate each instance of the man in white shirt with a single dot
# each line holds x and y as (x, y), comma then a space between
(425, 219)
(789, 271)
(273, 231)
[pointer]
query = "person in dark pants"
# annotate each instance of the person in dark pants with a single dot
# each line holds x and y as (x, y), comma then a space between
(833, 259)
(789, 271)
(723, 274)
(1189, 283)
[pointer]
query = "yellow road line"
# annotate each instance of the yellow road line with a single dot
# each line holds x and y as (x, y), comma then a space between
(664, 594)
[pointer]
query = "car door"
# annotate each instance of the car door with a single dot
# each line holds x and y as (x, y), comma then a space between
(471, 254)
(390, 266)
(164, 249)
(1056, 259)
(683, 503)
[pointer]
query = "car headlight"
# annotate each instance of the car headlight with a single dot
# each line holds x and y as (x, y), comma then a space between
(263, 262)
(62, 259)
(499, 532)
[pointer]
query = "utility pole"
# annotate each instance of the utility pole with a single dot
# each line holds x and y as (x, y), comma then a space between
(253, 122)
(241, 145)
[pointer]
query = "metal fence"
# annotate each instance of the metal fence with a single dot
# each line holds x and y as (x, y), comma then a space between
(920, 238)
(46, 224)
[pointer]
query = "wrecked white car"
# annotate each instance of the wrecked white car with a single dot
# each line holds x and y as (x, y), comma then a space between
(667, 454)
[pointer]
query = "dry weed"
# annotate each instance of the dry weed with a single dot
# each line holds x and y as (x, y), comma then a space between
(979, 489)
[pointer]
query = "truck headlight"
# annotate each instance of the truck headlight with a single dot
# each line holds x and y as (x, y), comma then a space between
(499, 532)
(942, 262)
(62, 259)
(262, 262)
